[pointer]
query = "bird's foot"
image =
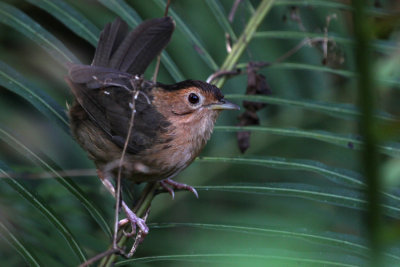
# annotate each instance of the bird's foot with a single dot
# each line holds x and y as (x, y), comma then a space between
(169, 185)
(136, 222)
(131, 218)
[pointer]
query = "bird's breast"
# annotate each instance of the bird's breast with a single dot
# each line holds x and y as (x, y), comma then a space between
(185, 142)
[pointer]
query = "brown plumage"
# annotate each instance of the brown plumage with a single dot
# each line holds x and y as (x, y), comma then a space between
(172, 123)
(168, 133)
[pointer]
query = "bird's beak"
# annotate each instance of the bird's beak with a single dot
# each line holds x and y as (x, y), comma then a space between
(223, 104)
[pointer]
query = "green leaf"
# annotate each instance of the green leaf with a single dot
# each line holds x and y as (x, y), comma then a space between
(337, 175)
(71, 18)
(18, 245)
(21, 22)
(17, 84)
(233, 257)
(348, 141)
(45, 210)
(347, 111)
(182, 26)
(341, 241)
(133, 19)
(125, 11)
(382, 46)
(324, 69)
(314, 3)
(346, 242)
(329, 4)
(67, 183)
(334, 196)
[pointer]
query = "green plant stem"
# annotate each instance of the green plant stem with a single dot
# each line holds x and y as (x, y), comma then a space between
(142, 205)
(244, 39)
(370, 159)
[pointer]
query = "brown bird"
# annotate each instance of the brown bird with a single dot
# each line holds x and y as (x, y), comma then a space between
(171, 123)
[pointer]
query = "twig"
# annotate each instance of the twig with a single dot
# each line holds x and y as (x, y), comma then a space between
(220, 73)
(263, 64)
(294, 15)
(306, 41)
(121, 161)
(99, 257)
(159, 56)
(228, 43)
(326, 41)
(157, 68)
(233, 10)
(167, 8)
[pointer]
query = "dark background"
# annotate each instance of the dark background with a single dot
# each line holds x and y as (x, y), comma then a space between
(248, 214)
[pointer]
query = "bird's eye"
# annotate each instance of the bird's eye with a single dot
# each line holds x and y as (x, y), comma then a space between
(193, 98)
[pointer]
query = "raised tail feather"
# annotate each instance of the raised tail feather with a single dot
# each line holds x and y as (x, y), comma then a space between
(132, 52)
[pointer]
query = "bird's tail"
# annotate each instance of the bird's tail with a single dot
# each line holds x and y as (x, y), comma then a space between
(133, 51)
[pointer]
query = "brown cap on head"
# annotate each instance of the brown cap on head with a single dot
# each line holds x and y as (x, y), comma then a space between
(206, 87)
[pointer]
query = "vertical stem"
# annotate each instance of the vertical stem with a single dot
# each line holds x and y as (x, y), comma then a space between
(244, 39)
(370, 160)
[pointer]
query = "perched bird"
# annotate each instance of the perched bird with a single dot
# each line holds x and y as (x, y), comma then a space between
(171, 123)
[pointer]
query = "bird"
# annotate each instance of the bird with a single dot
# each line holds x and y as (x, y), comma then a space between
(171, 123)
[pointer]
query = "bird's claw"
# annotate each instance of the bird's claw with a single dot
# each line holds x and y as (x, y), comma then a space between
(135, 221)
(169, 185)
(133, 226)
(132, 218)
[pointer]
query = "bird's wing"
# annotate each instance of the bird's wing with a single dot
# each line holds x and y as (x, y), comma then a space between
(110, 108)
(97, 77)
(104, 89)
(132, 52)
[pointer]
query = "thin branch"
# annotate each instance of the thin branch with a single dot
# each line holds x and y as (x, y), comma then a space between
(304, 42)
(98, 257)
(263, 64)
(154, 79)
(167, 8)
(233, 10)
(159, 56)
(221, 73)
(121, 162)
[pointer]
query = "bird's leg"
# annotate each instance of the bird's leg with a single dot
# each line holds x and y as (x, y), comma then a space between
(131, 216)
(169, 185)
(139, 237)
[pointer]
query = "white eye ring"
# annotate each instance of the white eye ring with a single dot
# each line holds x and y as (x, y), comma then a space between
(194, 98)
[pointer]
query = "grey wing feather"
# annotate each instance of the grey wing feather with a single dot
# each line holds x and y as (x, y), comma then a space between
(101, 88)
(110, 39)
(132, 52)
(112, 112)
(97, 77)
(142, 45)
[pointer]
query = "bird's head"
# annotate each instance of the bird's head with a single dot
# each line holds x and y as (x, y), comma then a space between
(191, 102)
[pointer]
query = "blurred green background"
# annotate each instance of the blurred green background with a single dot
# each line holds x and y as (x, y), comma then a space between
(295, 198)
